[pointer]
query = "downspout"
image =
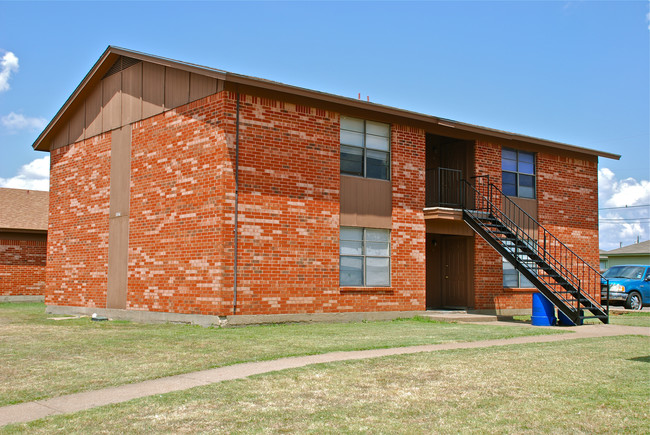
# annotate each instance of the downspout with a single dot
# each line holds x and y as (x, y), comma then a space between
(234, 302)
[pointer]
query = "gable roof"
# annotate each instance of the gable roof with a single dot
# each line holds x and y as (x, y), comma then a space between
(23, 210)
(642, 248)
(112, 54)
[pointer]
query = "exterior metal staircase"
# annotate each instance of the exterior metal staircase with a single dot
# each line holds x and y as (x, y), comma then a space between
(561, 275)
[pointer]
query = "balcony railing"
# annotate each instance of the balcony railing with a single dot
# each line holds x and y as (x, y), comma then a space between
(443, 188)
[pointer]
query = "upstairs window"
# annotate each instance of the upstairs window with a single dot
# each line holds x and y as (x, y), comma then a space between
(365, 148)
(364, 257)
(518, 173)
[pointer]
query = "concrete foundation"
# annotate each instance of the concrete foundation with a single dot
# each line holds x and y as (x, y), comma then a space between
(138, 316)
(22, 298)
(320, 317)
(222, 321)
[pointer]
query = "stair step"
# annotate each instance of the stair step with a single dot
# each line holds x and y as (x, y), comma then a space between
(553, 278)
(491, 223)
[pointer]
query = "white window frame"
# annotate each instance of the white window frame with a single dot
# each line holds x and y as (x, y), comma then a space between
(518, 173)
(520, 278)
(364, 148)
(364, 256)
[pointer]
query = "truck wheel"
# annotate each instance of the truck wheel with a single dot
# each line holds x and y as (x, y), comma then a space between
(634, 301)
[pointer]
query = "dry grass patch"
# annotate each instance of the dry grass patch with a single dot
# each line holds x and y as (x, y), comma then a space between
(626, 318)
(45, 358)
(579, 386)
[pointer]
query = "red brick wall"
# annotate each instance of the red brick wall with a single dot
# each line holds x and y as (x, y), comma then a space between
(181, 239)
(181, 227)
(568, 205)
(22, 267)
(289, 214)
(408, 237)
(488, 268)
(288, 208)
(180, 202)
(567, 202)
(77, 252)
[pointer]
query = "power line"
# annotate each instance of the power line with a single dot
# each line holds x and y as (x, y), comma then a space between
(625, 206)
(624, 220)
(642, 225)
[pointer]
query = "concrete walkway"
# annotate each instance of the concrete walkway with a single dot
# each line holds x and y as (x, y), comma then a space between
(30, 411)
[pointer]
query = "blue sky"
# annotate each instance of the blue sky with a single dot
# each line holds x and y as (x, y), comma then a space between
(575, 72)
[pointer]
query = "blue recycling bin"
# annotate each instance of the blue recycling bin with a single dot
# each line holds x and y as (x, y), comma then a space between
(543, 311)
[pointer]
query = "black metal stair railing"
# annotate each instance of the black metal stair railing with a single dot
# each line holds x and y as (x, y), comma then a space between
(443, 187)
(568, 281)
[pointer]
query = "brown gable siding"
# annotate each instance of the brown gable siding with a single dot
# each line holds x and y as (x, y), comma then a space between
(137, 92)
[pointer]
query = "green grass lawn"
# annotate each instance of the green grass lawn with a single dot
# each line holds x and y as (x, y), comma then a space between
(43, 358)
(630, 318)
(579, 386)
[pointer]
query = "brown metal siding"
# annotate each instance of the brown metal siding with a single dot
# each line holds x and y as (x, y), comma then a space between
(132, 94)
(118, 245)
(118, 223)
(201, 86)
(94, 112)
(137, 92)
(153, 89)
(61, 138)
(77, 124)
(111, 102)
(366, 202)
(177, 87)
(120, 171)
(448, 226)
(527, 205)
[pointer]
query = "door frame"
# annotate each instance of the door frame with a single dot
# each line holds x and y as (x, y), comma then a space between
(435, 290)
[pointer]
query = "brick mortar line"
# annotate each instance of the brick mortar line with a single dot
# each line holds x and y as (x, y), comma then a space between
(30, 411)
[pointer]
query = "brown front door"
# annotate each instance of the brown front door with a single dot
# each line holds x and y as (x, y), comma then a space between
(454, 272)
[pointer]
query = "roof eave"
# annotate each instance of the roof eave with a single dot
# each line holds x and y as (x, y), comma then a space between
(100, 67)
(23, 230)
(421, 117)
(38, 144)
(111, 53)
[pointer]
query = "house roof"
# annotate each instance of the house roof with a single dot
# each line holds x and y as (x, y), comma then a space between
(23, 210)
(642, 248)
(112, 54)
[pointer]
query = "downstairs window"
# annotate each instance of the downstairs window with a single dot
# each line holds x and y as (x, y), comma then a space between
(364, 257)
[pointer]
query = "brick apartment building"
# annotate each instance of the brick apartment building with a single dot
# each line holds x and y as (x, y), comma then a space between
(182, 189)
(23, 244)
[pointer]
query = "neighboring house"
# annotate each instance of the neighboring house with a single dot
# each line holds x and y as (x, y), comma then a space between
(23, 243)
(177, 188)
(638, 253)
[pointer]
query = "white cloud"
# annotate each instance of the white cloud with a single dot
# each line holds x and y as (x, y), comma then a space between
(16, 121)
(35, 175)
(625, 213)
(8, 64)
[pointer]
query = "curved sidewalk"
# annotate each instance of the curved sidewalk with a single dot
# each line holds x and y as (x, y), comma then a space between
(25, 412)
